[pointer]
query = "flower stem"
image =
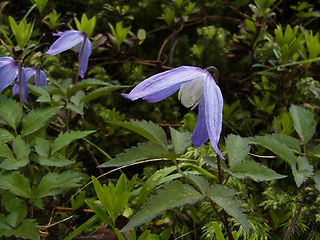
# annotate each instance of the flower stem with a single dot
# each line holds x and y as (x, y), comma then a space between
(298, 213)
(215, 71)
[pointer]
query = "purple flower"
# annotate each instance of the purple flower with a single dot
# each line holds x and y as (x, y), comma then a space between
(197, 87)
(39, 77)
(9, 72)
(78, 42)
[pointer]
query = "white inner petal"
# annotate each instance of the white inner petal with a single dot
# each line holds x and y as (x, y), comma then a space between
(76, 48)
(191, 93)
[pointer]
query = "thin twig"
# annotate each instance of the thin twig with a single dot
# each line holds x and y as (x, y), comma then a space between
(298, 213)
(224, 219)
(167, 39)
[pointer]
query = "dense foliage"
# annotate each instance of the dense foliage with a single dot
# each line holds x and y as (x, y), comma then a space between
(79, 161)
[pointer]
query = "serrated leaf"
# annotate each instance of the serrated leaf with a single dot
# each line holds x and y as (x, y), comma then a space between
(27, 229)
(76, 103)
(16, 183)
(36, 119)
(54, 183)
(148, 130)
(279, 148)
(255, 171)
(180, 140)
(143, 151)
(5, 135)
(152, 182)
(291, 142)
(237, 149)
(174, 194)
(65, 139)
(303, 123)
(10, 112)
(316, 179)
(100, 92)
(90, 82)
(21, 151)
(302, 170)
(225, 198)
(199, 181)
(43, 95)
(57, 160)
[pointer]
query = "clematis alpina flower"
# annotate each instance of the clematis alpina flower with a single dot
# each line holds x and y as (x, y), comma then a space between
(9, 70)
(78, 42)
(40, 80)
(197, 88)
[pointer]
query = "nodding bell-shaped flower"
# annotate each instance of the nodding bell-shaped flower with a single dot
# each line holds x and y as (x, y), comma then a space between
(36, 75)
(197, 88)
(78, 42)
(9, 72)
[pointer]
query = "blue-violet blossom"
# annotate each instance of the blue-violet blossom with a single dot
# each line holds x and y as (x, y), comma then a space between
(78, 42)
(197, 87)
(9, 72)
(38, 77)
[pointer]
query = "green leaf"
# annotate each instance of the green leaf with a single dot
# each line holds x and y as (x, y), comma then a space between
(237, 149)
(120, 203)
(5, 135)
(217, 231)
(279, 148)
(85, 226)
(148, 130)
(54, 183)
(78, 201)
(174, 194)
(16, 183)
(36, 119)
(143, 151)
(58, 160)
(255, 171)
(21, 31)
(27, 229)
(303, 123)
(200, 182)
(152, 182)
(90, 82)
(101, 213)
(302, 170)
(21, 151)
(291, 142)
(64, 139)
(225, 198)
(43, 95)
(10, 112)
(316, 179)
(42, 147)
(76, 103)
(180, 140)
(100, 92)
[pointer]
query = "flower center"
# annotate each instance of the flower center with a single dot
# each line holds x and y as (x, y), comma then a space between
(191, 93)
